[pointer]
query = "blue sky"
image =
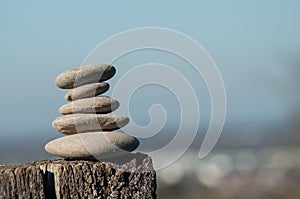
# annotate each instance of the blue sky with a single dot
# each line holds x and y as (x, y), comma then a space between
(249, 41)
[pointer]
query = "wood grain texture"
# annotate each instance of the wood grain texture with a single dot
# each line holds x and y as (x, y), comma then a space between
(128, 177)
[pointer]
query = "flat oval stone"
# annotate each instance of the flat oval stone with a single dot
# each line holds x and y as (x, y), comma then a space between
(95, 144)
(86, 74)
(86, 91)
(101, 104)
(78, 123)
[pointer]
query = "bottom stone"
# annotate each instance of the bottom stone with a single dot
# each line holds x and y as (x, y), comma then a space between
(131, 176)
(99, 145)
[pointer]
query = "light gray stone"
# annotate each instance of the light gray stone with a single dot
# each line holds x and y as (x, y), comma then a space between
(95, 144)
(86, 91)
(101, 104)
(86, 74)
(78, 123)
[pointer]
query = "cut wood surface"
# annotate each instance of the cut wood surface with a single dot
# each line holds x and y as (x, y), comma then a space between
(131, 176)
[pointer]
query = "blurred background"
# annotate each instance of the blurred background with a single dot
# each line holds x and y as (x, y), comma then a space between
(255, 44)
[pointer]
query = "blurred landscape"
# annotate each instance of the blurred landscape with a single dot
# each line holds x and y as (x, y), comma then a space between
(271, 172)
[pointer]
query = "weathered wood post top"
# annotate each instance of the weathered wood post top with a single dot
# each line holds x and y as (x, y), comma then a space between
(130, 177)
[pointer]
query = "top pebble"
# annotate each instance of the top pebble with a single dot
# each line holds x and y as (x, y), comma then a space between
(86, 74)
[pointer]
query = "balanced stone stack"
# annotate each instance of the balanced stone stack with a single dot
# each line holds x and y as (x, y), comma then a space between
(86, 119)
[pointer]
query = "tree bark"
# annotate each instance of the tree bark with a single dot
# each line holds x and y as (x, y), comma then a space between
(131, 176)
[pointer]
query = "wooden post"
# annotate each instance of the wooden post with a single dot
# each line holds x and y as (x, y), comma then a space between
(130, 177)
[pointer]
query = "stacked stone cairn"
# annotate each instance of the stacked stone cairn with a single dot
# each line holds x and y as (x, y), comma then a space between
(86, 120)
